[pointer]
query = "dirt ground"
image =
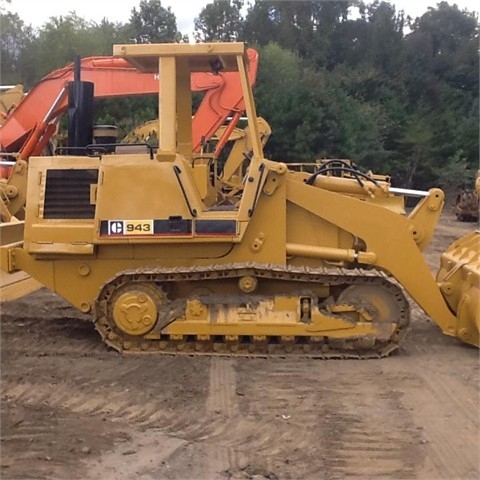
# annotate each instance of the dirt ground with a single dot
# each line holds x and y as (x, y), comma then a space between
(72, 409)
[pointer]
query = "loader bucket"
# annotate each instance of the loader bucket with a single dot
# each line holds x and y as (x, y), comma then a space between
(459, 282)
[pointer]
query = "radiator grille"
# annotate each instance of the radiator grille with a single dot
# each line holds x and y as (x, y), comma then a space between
(67, 193)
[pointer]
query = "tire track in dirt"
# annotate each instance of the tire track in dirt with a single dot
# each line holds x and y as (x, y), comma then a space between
(43, 443)
(451, 431)
(90, 380)
(113, 392)
(221, 408)
(364, 445)
(152, 450)
(96, 394)
(118, 405)
(87, 396)
(222, 386)
(205, 438)
(342, 422)
(446, 404)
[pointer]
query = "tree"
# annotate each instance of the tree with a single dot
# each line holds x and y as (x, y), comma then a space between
(152, 23)
(3, 6)
(260, 26)
(16, 44)
(329, 85)
(221, 21)
(283, 101)
(443, 46)
(304, 27)
(62, 38)
(442, 81)
(311, 114)
(105, 34)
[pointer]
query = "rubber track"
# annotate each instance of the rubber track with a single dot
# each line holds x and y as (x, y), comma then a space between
(308, 347)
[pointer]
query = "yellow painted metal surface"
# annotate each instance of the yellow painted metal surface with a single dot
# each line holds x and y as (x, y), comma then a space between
(459, 282)
(9, 99)
(161, 251)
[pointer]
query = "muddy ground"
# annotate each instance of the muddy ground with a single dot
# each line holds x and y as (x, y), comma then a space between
(72, 409)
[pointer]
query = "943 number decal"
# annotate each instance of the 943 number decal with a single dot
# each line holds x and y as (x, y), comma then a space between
(130, 227)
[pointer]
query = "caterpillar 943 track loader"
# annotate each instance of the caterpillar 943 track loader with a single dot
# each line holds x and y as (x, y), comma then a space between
(168, 259)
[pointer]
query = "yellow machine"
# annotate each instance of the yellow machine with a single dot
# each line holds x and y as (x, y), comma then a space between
(169, 255)
(10, 97)
(233, 166)
(466, 206)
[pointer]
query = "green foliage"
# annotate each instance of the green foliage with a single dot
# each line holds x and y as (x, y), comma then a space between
(152, 23)
(280, 99)
(16, 46)
(394, 94)
(126, 113)
(303, 27)
(220, 21)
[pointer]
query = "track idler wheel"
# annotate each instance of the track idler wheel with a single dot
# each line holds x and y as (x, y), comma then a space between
(134, 309)
(376, 304)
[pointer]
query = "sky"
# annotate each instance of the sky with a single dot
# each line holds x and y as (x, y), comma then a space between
(36, 13)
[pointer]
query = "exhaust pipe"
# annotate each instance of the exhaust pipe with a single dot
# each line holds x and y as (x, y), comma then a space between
(80, 112)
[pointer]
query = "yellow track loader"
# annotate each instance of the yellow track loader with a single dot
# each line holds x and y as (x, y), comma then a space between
(167, 257)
